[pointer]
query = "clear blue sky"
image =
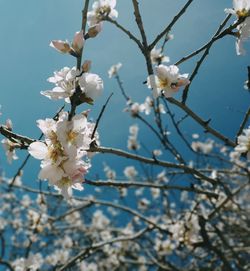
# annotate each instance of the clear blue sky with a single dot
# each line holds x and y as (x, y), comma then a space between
(26, 61)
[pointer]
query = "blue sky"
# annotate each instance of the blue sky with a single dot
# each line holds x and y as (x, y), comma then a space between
(26, 61)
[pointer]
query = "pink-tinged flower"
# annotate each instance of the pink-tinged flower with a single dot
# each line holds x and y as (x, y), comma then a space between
(101, 9)
(61, 154)
(244, 143)
(241, 9)
(91, 85)
(78, 42)
(168, 80)
(61, 46)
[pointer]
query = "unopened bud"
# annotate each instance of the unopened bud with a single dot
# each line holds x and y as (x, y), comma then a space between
(95, 30)
(61, 46)
(86, 66)
(78, 41)
(9, 124)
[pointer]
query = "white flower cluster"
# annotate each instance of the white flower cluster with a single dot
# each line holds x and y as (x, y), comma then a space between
(244, 143)
(241, 9)
(9, 145)
(65, 81)
(133, 144)
(63, 151)
(146, 107)
(203, 147)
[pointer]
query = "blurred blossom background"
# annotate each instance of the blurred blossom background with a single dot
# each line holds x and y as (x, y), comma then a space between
(26, 61)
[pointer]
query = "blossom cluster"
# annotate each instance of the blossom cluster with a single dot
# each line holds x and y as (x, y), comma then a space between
(64, 153)
(65, 80)
(243, 146)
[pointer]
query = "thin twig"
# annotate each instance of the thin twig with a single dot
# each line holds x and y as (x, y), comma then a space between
(100, 115)
(149, 185)
(243, 124)
(199, 63)
(172, 23)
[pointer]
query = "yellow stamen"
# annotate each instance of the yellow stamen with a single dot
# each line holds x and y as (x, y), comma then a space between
(242, 13)
(163, 83)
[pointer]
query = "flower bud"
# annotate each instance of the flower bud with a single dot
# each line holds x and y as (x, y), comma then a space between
(95, 30)
(86, 66)
(61, 46)
(78, 41)
(9, 124)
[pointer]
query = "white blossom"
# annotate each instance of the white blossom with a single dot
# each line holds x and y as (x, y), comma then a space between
(157, 57)
(65, 145)
(64, 81)
(241, 9)
(203, 147)
(91, 85)
(167, 79)
(132, 139)
(114, 69)
(244, 143)
(130, 172)
(101, 9)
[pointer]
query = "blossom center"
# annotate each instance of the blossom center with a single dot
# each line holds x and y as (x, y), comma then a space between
(71, 136)
(242, 13)
(65, 182)
(102, 11)
(55, 152)
(163, 83)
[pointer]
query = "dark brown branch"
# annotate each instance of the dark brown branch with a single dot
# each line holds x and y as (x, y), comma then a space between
(149, 185)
